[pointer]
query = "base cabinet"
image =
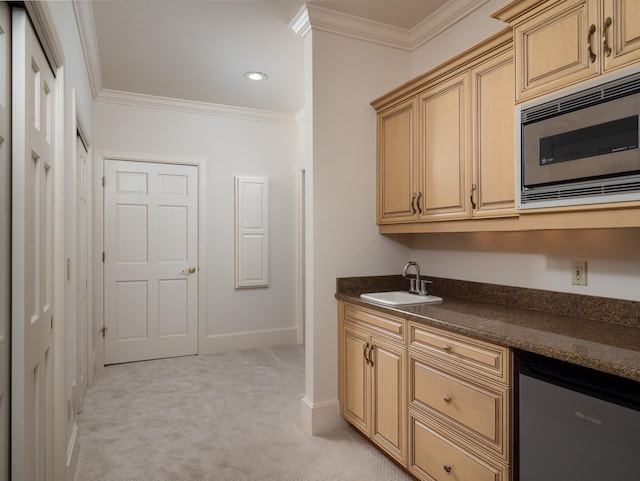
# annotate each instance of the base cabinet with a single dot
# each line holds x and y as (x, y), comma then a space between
(373, 380)
(439, 403)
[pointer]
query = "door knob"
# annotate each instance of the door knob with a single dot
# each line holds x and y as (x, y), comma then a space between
(192, 269)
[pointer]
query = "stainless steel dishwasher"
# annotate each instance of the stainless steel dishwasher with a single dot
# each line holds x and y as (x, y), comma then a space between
(574, 423)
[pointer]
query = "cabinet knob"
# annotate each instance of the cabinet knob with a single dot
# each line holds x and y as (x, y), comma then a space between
(447, 399)
(447, 468)
(446, 347)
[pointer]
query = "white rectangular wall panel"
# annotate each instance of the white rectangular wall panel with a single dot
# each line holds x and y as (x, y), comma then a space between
(252, 232)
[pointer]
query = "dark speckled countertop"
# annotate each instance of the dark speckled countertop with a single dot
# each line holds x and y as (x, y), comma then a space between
(599, 333)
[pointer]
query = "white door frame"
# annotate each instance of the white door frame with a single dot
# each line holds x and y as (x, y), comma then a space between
(98, 236)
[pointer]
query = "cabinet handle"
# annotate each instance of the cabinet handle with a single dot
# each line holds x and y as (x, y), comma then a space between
(592, 30)
(447, 399)
(473, 188)
(446, 347)
(605, 45)
(364, 352)
(413, 203)
(447, 468)
(418, 202)
(370, 352)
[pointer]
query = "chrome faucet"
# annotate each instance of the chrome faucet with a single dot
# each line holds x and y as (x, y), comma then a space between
(418, 286)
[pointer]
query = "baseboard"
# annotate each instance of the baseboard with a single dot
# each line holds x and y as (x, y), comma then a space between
(72, 453)
(247, 340)
(322, 417)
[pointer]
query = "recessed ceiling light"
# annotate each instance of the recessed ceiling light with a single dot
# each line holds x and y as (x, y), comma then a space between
(256, 75)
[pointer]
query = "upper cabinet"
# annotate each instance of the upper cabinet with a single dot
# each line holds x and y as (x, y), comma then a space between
(397, 176)
(437, 155)
(558, 44)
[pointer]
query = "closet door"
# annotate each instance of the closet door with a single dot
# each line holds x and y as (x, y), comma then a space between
(33, 209)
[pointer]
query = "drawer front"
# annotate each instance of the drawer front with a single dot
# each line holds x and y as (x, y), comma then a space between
(389, 326)
(434, 456)
(478, 356)
(474, 409)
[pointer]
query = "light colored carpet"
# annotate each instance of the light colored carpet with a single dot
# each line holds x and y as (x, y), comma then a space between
(227, 417)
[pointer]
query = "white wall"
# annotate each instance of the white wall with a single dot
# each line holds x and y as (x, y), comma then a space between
(75, 79)
(231, 146)
(539, 260)
(463, 35)
(346, 74)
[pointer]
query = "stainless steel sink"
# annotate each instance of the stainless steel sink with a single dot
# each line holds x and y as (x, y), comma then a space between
(399, 298)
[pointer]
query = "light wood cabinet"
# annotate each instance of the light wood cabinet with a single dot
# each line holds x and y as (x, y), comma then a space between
(397, 167)
(460, 405)
(444, 130)
(493, 161)
(372, 378)
(438, 402)
(558, 44)
(437, 158)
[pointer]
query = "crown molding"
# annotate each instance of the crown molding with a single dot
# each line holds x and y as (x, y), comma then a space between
(313, 17)
(86, 27)
(445, 17)
(189, 106)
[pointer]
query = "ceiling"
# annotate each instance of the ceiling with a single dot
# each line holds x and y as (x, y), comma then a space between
(198, 50)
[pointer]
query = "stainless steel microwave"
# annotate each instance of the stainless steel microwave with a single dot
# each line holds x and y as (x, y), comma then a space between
(581, 147)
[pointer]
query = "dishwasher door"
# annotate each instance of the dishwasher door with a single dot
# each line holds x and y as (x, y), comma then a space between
(577, 426)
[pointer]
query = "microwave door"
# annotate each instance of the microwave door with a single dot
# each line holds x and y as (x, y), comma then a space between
(594, 142)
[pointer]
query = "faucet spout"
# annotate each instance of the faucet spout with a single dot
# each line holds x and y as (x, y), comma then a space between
(415, 283)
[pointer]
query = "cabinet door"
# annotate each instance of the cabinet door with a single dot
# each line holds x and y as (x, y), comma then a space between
(444, 131)
(397, 192)
(493, 143)
(356, 390)
(552, 48)
(388, 404)
(621, 34)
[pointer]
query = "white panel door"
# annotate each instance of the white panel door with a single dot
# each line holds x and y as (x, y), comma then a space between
(32, 259)
(151, 274)
(5, 236)
(84, 336)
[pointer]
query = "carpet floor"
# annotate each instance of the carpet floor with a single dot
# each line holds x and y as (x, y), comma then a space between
(225, 417)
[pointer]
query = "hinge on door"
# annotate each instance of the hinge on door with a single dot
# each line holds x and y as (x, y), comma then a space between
(103, 257)
(51, 323)
(104, 182)
(104, 332)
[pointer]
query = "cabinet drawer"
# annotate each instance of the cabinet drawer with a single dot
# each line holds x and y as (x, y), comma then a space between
(434, 456)
(474, 409)
(377, 322)
(477, 356)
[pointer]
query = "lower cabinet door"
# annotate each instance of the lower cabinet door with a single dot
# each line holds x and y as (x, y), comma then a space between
(434, 456)
(357, 386)
(388, 402)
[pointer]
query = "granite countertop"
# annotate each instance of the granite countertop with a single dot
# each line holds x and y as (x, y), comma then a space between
(598, 333)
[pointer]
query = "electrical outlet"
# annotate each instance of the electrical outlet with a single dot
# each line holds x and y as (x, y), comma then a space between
(579, 273)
